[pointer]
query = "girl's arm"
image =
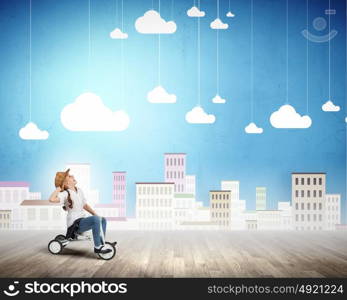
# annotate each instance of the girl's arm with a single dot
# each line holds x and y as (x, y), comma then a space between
(89, 209)
(54, 196)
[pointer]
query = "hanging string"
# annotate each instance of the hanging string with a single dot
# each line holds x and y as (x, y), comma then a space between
(30, 12)
(217, 49)
(122, 54)
(307, 82)
(159, 52)
(329, 57)
(89, 44)
(252, 61)
(287, 42)
(199, 67)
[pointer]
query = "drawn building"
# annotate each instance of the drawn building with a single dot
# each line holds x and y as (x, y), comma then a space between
(155, 205)
(220, 206)
(308, 201)
(260, 198)
(332, 210)
(175, 170)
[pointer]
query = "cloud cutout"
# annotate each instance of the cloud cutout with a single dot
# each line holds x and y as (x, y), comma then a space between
(31, 132)
(330, 106)
(118, 34)
(151, 22)
(230, 14)
(160, 95)
(218, 24)
(253, 128)
(218, 100)
(88, 113)
(198, 116)
(195, 12)
(287, 117)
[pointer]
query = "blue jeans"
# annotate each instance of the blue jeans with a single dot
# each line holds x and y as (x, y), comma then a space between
(97, 225)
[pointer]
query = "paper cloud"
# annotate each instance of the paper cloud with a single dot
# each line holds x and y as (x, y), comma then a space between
(160, 95)
(118, 34)
(230, 14)
(287, 117)
(198, 116)
(218, 24)
(195, 12)
(253, 128)
(346, 119)
(218, 100)
(152, 22)
(31, 132)
(88, 113)
(330, 106)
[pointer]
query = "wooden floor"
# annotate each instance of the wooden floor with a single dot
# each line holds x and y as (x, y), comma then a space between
(180, 254)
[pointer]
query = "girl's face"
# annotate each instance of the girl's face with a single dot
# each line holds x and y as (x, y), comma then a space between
(70, 180)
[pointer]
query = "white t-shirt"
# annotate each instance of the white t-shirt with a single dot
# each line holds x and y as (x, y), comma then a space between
(78, 201)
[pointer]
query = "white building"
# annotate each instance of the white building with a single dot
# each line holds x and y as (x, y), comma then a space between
(251, 220)
(5, 219)
(183, 208)
(238, 222)
(190, 184)
(260, 198)
(308, 201)
(286, 215)
(82, 174)
(42, 214)
(155, 205)
(34, 196)
(233, 186)
(238, 206)
(332, 210)
(107, 210)
(269, 220)
(12, 193)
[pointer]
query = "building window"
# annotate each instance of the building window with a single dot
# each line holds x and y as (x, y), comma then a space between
(314, 217)
(308, 193)
(320, 181)
(302, 218)
(296, 193)
(31, 214)
(314, 181)
(302, 181)
(320, 206)
(320, 193)
(296, 206)
(308, 218)
(174, 161)
(302, 193)
(314, 193)
(308, 181)
(296, 181)
(314, 206)
(212, 196)
(320, 217)
(308, 206)
(302, 206)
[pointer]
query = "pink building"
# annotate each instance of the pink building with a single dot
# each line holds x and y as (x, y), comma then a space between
(175, 170)
(119, 192)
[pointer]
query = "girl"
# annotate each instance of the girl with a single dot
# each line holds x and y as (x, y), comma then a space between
(76, 204)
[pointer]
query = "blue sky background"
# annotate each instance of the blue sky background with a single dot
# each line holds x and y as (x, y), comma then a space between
(215, 152)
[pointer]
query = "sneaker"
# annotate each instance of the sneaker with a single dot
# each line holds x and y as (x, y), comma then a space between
(102, 251)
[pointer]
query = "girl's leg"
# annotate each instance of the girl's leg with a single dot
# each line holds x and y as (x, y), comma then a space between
(93, 223)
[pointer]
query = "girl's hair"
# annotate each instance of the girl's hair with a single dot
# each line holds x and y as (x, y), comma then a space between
(69, 200)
